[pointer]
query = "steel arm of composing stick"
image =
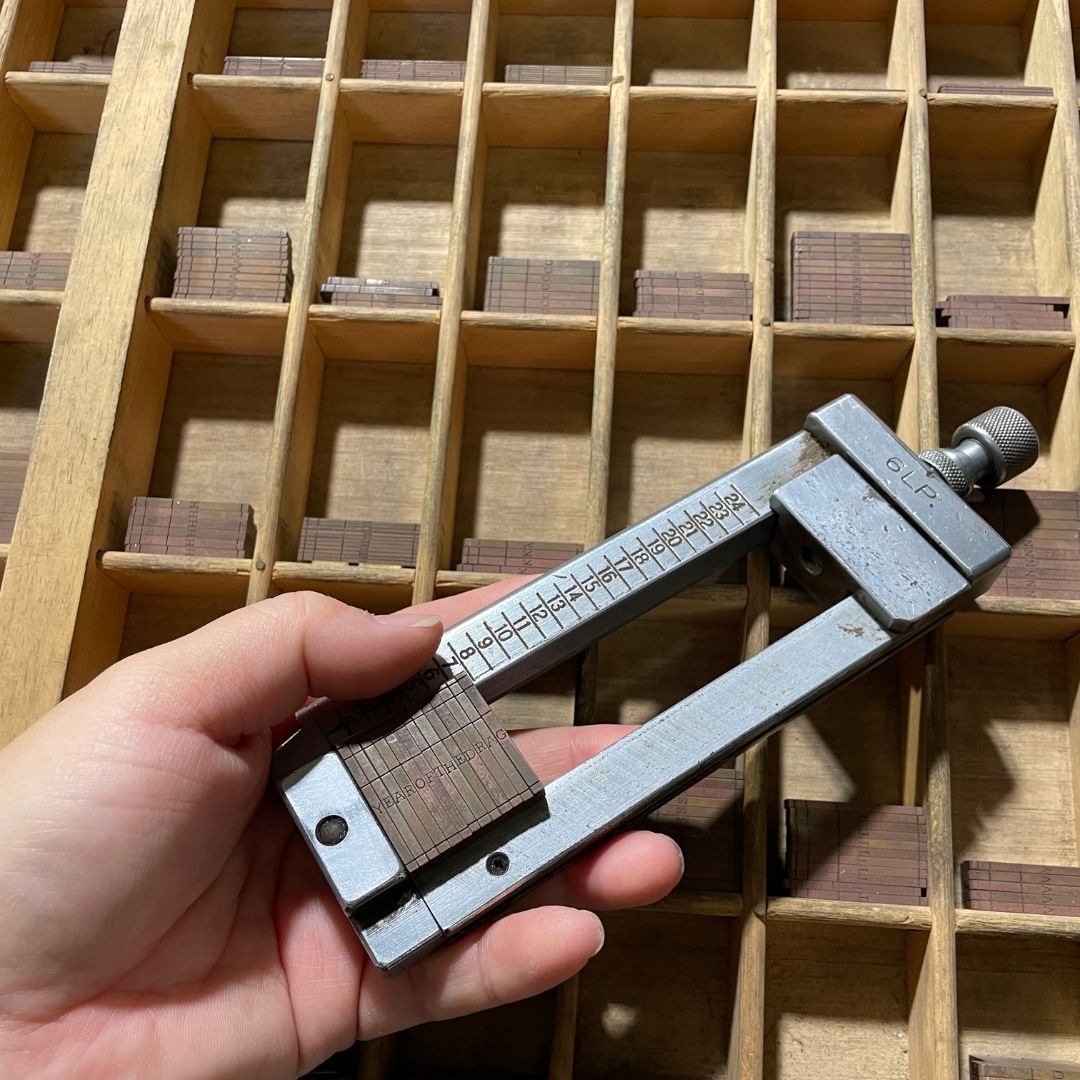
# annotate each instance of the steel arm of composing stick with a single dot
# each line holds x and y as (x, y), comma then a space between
(629, 778)
(851, 511)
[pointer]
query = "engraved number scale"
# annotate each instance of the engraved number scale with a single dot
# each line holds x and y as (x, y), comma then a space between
(863, 523)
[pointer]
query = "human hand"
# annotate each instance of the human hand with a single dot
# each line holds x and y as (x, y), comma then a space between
(162, 916)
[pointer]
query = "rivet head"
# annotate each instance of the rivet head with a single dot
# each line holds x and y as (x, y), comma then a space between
(331, 830)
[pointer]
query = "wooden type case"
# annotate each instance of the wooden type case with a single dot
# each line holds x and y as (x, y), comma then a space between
(727, 126)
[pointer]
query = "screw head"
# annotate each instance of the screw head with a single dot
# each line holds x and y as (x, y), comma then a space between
(498, 864)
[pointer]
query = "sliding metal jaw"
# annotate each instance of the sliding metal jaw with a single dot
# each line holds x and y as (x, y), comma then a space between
(861, 522)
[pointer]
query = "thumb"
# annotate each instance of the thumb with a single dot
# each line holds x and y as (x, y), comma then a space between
(249, 670)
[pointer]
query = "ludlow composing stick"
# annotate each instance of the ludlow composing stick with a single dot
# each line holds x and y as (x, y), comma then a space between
(863, 523)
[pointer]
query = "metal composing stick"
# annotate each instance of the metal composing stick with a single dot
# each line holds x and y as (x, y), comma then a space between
(856, 517)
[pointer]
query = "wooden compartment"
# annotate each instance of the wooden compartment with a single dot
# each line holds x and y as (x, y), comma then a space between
(255, 184)
(686, 195)
(540, 33)
(1018, 997)
(998, 202)
(658, 1000)
(1043, 403)
(156, 620)
(88, 30)
(848, 46)
(524, 445)
(998, 43)
(842, 165)
(396, 213)
(23, 367)
(1011, 751)
(657, 660)
(276, 30)
(371, 441)
(47, 207)
(670, 435)
(512, 1041)
(215, 429)
(849, 748)
(436, 31)
(836, 1003)
(674, 45)
(540, 203)
(795, 397)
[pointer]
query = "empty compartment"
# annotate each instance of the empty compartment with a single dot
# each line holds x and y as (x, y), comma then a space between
(215, 431)
(658, 999)
(535, 38)
(836, 1003)
(670, 50)
(1006, 43)
(371, 442)
(1011, 757)
(46, 211)
(998, 199)
(1019, 998)
(542, 204)
(842, 167)
(848, 46)
(685, 207)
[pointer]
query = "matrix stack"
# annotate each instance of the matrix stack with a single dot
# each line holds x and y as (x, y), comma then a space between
(1031, 888)
(13, 465)
(186, 527)
(1043, 528)
(849, 277)
(515, 556)
(542, 286)
(35, 271)
(249, 265)
(414, 70)
(693, 294)
(988, 311)
(999, 1068)
(380, 293)
(293, 67)
(706, 822)
(358, 542)
(873, 854)
(560, 74)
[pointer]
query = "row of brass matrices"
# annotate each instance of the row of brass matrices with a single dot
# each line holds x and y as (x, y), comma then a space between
(34, 271)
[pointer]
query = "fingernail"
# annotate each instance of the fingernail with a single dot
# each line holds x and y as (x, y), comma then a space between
(410, 618)
(682, 857)
(600, 935)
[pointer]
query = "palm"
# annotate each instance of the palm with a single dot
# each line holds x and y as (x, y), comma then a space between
(161, 908)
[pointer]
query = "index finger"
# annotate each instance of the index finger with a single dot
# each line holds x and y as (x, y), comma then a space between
(453, 609)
